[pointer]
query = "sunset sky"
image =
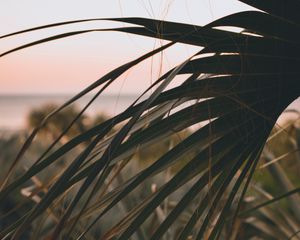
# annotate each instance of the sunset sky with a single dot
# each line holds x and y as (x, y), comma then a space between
(68, 65)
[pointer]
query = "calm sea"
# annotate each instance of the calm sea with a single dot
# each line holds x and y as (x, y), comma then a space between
(14, 109)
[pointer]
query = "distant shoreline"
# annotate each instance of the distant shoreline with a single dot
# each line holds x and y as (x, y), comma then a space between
(40, 95)
(14, 108)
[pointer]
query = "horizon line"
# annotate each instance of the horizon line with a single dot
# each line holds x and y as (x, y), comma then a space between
(63, 94)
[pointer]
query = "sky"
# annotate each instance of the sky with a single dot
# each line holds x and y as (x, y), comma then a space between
(69, 65)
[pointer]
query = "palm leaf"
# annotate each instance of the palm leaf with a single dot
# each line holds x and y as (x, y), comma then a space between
(238, 82)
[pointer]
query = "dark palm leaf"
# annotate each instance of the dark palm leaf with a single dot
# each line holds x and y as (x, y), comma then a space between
(239, 84)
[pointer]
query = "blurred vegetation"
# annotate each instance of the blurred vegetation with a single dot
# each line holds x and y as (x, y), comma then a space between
(281, 151)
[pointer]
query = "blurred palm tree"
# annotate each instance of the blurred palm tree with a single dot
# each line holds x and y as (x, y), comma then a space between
(59, 122)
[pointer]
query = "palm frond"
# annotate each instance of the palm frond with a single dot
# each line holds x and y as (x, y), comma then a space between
(238, 85)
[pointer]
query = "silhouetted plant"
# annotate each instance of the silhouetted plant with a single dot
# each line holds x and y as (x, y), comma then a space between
(244, 80)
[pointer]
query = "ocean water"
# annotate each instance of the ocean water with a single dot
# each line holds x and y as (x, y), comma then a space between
(14, 109)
